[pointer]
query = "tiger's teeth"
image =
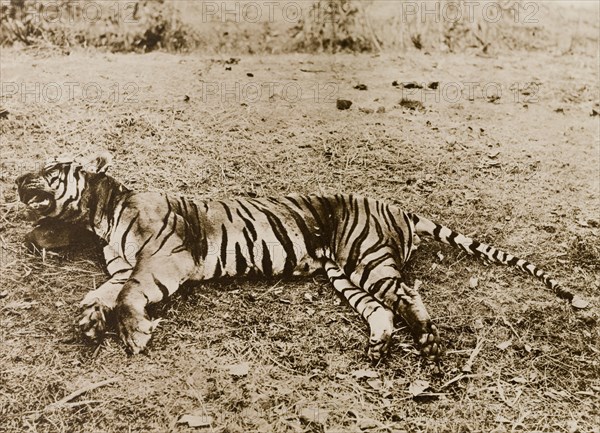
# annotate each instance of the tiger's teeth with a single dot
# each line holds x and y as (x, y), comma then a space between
(38, 204)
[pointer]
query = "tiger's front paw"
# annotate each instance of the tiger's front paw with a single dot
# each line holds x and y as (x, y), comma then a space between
(430, 343)
(93, 321)
(135, 329)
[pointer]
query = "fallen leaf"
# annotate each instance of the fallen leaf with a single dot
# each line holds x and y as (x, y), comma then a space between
(376, 384)
(367, 424)
(473, 282)
(20, 305)
(579, 302)
(502, 419)
(572, 426)
(314, 414)
(519, 379)
(359, 374)
(504, 345)
(440, 256)
(418, 387)
(556, 395)
(196, 420)
(478, 324)
(240, 369)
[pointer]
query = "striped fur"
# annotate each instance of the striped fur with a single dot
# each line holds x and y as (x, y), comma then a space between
(155, 242)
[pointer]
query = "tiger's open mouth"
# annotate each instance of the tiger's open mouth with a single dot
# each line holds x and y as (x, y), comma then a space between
(39, 201)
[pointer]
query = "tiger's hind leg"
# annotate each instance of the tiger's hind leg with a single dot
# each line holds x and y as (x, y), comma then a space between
(379, 318)
(381, 277)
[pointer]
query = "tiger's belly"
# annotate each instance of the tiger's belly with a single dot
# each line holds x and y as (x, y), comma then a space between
(236, 252)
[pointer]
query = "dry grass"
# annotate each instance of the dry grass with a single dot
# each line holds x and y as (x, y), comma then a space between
(517, 173)
(250, 27)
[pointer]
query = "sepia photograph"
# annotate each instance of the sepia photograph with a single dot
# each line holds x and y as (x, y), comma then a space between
(299, 216)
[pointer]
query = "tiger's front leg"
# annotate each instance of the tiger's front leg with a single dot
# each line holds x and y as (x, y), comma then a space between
(98, 303)
(152, 280)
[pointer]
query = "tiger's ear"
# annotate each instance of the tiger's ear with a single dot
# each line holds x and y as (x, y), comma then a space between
(98, 163)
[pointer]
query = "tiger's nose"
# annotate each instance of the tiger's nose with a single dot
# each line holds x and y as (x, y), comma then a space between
(23, 181)
(20, 181)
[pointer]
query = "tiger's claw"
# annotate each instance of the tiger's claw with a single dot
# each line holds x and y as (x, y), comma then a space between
(93, 321)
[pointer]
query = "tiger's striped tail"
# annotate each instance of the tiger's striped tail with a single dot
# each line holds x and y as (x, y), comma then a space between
(486, 252)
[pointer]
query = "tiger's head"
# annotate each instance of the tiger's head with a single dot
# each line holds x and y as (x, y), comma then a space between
(57, 189)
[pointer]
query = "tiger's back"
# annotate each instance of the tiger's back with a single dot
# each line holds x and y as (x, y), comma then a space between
(289, 235)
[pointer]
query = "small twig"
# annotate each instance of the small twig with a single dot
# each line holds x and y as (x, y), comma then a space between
(467, 368)
(79, 392)
(463, 376)
(507, 323)
(81, 403)
(269, 290)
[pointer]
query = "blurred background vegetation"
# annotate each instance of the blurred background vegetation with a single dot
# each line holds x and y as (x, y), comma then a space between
(285, 26)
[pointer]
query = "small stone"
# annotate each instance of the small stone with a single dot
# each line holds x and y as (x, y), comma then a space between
(343, 104)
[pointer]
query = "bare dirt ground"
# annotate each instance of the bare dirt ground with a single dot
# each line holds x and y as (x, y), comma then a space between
(512, 158)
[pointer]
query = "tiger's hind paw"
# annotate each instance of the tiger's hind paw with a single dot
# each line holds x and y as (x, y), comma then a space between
(93, 321)
(430, 343)
(381, 324)
(378, 349)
